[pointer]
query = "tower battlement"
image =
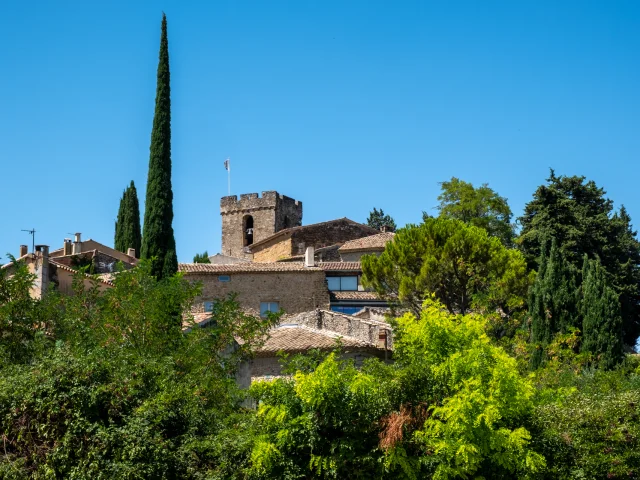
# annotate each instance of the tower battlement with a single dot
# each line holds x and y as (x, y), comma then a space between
(255, 217)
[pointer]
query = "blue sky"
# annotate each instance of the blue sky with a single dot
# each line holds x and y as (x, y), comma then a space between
(343, 105)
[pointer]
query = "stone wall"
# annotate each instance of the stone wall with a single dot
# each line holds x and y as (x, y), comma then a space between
(367, 330)
(277, 249)
(270, 212)
(326, 234)
(357, 256)
(296, 291)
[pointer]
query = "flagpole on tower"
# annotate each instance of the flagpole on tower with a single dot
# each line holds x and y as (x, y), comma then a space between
(227, 165)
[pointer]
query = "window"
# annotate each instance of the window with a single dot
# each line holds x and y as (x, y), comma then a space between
(266, 307)
(224, 278)
(345, 309)
(208, 306)
(342, 283)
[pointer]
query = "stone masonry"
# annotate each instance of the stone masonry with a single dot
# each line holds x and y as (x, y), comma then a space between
(254, 218)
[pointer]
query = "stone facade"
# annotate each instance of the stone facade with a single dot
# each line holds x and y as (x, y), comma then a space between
(294, 241)
(295, 291)
(254, 218)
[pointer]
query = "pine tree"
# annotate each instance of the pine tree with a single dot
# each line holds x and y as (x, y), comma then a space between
(201, 257)
(553, 301)
(128, 224)
(602, 319)
(158, 240)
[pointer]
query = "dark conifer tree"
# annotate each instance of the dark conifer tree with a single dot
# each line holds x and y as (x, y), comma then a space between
(553, 302)
(602, 319)
(158, 240)
(128, 223)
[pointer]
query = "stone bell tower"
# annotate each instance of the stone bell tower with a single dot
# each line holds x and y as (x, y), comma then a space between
(255, 217)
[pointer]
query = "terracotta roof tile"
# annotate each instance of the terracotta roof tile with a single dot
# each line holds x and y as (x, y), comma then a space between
(340, 266)
(71, 270)
(301, 227)
(244, 267)
(355, 296)
(373, 242)
(298, 338)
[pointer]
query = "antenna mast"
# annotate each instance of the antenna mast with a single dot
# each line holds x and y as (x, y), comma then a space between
(32, 232)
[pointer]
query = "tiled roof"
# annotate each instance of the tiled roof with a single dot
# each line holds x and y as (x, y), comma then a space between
(71, 270)
(340, 266)
(295, 229)
(355, 296)
(373, 242)
(297, 338)
(244, 267)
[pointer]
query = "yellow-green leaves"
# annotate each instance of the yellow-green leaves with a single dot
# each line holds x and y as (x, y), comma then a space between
(480, 397)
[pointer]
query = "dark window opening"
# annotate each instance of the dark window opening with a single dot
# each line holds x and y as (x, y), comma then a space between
(247, 230)
(286, 223)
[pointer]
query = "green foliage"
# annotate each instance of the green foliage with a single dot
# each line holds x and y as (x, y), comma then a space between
(452, 406)
(479, 402)
(114, 386)
(128, 223)
(377, 219)
(158, 242)
(553, 301)
(588, 424)
(201, 257)
(481, 207)
(578, 215)
(24, 322)
(460, 264)
(602, 322)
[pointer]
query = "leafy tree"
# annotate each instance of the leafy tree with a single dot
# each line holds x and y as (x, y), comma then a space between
(121, 387)
(377, 219)
(158, 241)
(201, 257)
(553, 300)
(602, 322)
(460, 264)
(453, 406)
(481, 207)
(577, 214)
(128, 223)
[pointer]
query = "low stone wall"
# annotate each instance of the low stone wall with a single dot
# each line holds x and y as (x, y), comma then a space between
(347, 325)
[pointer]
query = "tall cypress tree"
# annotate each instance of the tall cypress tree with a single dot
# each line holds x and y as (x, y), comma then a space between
(602, 319)
(128, 224)
(158, 240)
(553, 302)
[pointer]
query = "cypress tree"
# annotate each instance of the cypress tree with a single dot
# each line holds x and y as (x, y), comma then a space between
(553, 301)
(128, 224)
(602, 319)
(158, 240)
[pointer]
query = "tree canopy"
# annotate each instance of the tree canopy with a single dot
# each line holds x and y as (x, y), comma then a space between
(158, 241)
(201, 257)
(127, 233)
(458, 263)
(577, 214)
(481, 207)
(378, 219)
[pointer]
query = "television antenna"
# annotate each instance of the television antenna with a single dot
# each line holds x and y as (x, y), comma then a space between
(32, 232)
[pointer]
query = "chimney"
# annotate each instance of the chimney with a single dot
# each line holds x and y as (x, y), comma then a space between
(23, 250)
(67, 248)
(386, 228)
(77, 244)
(41, 284)
(309, 260)
(131, 252)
